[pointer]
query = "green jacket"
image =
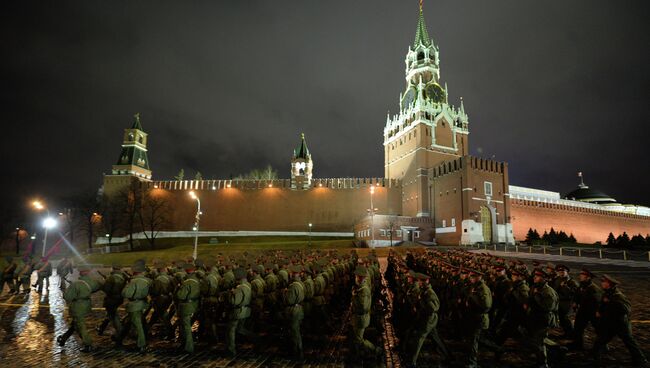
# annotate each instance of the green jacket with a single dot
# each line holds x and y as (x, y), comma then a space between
(188, 294)
(163, 285)
(78, 295)
(543, 306)
(240, 300)
(137, 293)
(479, 303)
(429, 305)
(615, 308)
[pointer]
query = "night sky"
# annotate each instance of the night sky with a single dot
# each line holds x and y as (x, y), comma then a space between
(552, 87)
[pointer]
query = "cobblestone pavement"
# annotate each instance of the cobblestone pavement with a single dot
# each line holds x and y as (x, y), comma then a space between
(29, 324)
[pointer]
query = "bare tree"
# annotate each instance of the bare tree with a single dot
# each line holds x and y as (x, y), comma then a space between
(130, 199)
(154, 214)
(112, 211)
(86, 212)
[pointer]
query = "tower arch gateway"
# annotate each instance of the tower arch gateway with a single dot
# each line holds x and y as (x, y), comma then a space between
(301, 166)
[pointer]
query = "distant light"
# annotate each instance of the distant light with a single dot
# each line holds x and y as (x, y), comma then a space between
(228, 186)
(155, 186)
(108, 235)
(49, 223)
(60, 213)
(33, 237)
(193, 195)
(214, 188)
(38, 205)
(17, 229)
(372, 190)
(270, 185)
(194, 228)
(95, 214)
(320, 185)
(310, 224)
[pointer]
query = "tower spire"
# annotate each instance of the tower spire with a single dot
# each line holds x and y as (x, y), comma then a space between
(421, 34)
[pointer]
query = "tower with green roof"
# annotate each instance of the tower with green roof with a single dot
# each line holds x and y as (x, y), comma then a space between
(301, 166)
(132, 162)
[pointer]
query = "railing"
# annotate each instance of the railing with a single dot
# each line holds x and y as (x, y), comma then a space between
(601, 253)
(108, 249)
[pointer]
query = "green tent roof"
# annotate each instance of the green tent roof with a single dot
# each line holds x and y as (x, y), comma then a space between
(302, 151)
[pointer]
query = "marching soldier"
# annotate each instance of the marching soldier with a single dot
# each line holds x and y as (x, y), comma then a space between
(137, 294)
(478, 304)
(23, 273)
(77, 296)
(239, 300)
(502, 288)
(360, 318)
(188, 296)
(517, 301)
(587, 301)
(614, 320)
(113, 286)
(542, 307)
(161, 298)
(257, 289)
(293, 311)
(43, 273)
(210, 298)
(565, 287)
(426, 321)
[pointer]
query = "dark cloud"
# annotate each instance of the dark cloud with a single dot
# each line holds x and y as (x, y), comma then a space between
(227, 86)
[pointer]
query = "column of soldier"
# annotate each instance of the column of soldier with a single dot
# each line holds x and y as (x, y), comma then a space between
(16, 273)
(482, 301)
(276, 289)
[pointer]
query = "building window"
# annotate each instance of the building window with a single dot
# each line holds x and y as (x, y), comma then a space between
(398, 233)
(453, 222)
(382, 232)
(416, 234)
(488, 188)
(465, 230)
(444, 223)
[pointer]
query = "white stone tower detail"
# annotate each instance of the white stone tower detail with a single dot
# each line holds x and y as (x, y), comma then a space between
(301, 166)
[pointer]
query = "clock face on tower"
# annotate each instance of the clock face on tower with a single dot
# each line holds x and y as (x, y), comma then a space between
(435, 93)
(408, 98)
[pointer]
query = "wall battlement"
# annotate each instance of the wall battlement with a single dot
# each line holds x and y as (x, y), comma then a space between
(332, 183)
(473, 162)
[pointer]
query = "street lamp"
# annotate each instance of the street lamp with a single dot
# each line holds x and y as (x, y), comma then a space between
(372, 216)
(48, 223)
(310, 225)
(196, 223)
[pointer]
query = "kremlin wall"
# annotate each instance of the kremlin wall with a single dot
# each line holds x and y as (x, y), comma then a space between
(433, 191)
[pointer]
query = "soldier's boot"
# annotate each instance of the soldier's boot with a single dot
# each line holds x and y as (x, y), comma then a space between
(87, 349)
(102, 326)
(66, 335)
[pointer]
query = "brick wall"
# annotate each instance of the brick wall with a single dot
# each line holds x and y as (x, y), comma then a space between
(587, 225)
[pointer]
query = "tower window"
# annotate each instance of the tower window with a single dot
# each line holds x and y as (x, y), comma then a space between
(420, 56)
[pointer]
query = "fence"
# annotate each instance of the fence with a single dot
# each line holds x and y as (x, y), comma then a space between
(108, 249)
(602, 253)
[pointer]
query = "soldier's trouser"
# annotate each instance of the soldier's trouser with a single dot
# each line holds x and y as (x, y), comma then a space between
(62, 284)
(417, 340)
(78, 324)
(622, 329)
(210, 310)
(25, 282)
(509, 328)
(230, 336)
(536, 336)
(111, 317)
(565, 322)
(10, 284)
(295, 316)
(39, 284)
(186, 331)
(160, 307)
(359, 325)
(581, 322)
(472, 340)
(134, 319)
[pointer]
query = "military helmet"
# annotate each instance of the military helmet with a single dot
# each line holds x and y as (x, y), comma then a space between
(138, 267)
(361, 271)
(240, 273)
(610, 279)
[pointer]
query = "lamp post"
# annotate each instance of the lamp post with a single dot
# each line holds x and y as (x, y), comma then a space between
(310, 225)
(196, 223)
(48, 223)
(372, 216)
